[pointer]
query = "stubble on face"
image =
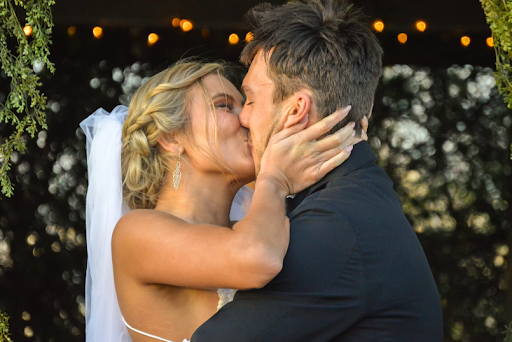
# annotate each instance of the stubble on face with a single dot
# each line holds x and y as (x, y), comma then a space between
(265, 116)
(261, 146)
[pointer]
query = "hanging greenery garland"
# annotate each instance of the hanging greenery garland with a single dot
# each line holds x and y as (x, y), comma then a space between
(499, 18)
(25, 106)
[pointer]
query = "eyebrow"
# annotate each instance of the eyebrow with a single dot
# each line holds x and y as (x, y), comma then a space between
(229, 97)
(245, 89)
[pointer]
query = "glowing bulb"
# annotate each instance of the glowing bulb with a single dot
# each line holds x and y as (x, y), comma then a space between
(205, 33)
(176, 22)
(97, 32)
(27, 30)
(153, 38)
(402, 38)
(249, 37)
(378, 26)
(490, 41)
(186, 25)
(465, 41)
(233, 39)
(71, 31)
(421, 26)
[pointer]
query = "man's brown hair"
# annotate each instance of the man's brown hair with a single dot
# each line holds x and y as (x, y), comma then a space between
(323, 45)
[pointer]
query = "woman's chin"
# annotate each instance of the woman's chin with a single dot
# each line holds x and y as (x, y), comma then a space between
(246, 175)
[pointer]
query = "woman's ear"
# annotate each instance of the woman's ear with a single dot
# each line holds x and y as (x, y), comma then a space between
(171, 144)
(299, 107)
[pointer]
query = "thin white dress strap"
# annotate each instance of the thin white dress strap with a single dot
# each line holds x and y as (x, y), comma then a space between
(148, 335)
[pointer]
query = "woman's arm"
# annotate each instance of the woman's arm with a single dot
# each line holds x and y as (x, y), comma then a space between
(172, 251)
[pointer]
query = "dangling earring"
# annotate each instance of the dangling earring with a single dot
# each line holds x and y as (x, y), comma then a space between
(176, 176)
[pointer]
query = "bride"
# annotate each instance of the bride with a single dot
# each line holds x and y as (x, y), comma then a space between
(166, 180)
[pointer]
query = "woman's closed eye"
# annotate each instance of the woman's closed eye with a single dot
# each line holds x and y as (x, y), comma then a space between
(227, 105)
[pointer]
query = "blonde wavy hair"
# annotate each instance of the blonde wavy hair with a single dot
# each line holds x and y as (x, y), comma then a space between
(161, 106)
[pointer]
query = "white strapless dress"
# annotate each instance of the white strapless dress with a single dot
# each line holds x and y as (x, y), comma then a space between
(225, 296)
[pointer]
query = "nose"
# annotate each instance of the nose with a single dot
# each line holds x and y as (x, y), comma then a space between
(244, 117)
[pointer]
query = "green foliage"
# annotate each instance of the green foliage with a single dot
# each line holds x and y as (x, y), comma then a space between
(499, 18)
(508, 338)
(25, 105)
(4, 328)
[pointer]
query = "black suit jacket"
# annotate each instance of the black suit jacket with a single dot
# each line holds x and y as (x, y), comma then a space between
(354, 271)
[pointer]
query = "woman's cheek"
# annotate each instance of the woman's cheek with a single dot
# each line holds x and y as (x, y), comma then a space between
(229, 125)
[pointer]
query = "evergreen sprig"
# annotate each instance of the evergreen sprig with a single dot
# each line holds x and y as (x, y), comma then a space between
(25, 105)
(4, 328)
(499, 18)
(508, 337)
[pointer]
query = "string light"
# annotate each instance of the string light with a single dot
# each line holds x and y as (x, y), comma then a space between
(378, 26)
(402, 38)
(27, 30)
(233, 39)
(421, 26)
(249, 37)
(153, 38)
(97, 32)
(186, 25)
(465, 41)
(71, 31)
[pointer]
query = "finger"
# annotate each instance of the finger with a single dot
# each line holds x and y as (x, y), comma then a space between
(364, 124)
(364, 136)
(334, 162)
(287, 132)
(325, 125)
(336, 139)
(331, 153)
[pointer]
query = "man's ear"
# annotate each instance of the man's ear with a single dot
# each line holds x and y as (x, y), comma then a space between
(171, 143)
(297, 109)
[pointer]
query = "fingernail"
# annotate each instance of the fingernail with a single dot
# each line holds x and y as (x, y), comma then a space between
(353, 133)
(352, 124)
(345, 110)
(350, 148)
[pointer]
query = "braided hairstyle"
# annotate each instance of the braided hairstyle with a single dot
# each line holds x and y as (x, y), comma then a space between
(158, 107)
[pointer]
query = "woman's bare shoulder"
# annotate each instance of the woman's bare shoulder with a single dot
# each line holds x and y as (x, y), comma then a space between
(143, 221)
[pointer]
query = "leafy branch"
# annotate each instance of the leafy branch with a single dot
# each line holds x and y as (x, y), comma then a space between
(4, 328)
(508, 338)
(499, 18)
(25, 105)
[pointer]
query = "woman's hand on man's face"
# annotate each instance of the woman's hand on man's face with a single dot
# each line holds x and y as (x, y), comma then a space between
(295, 159)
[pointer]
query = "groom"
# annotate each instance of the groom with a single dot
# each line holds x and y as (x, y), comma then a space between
(355, 270)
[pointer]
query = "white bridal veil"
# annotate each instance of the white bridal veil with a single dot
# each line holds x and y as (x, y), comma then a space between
(104, 207)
